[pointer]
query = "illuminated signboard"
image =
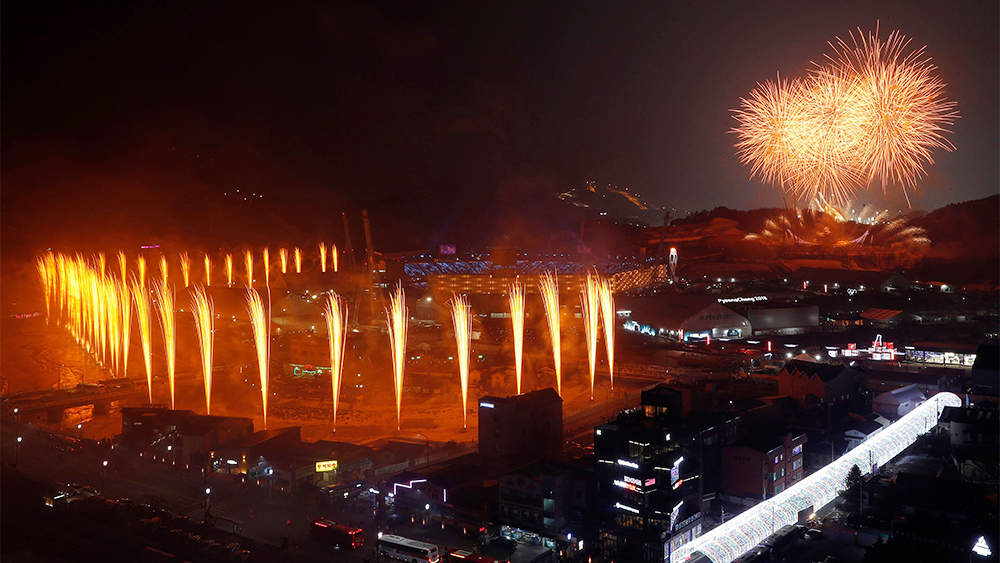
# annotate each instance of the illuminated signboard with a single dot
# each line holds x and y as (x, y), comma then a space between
(627, 463)
(322, 466)
(981, 548)
(629, 508)
(650, 482)
(486, 405)
(627, 486)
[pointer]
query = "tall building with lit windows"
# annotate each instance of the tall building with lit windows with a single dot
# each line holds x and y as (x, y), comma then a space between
(649, 471)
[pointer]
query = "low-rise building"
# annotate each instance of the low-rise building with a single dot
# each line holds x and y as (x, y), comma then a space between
(762, 465)
(528, 425)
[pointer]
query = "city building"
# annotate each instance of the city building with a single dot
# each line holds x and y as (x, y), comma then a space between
(682, 317)
(986, 371)
(782, 320)
(762, 465)
(529, 426)
(973, 426)
(830, 384)
(546, 502)
(649, 486)
(180, 436)
(848, 281)
(896, 403)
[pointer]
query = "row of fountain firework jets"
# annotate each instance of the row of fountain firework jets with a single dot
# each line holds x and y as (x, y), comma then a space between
(97, 309)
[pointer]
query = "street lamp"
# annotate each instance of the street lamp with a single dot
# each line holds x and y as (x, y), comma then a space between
(104, 473)
(17, 451)
(208, 504)
(80, 428)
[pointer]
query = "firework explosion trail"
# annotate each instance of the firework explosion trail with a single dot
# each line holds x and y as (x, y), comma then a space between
(336, 326)
(142, 316)
(267, 270)
(102, 263)
(123, 266)
(248, 262)
(46, 277)
(298, 260)
(163, 269)
(141, 264)
(515, 295)
(322, 256)
(461, 316)
(229, 270)
(333, 252)
(396, 317)
(125, 308)
(283, 254)
(873, 111)
(262, 337)
(208, 270)
(548, 285)
(169, 326)
(203, 310)
(607, 298)
(109, 294)
(589, 298)
(186, 268)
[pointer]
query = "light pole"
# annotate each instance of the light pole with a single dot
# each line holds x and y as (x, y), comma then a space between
(427, 448)
(605, 400)
(17, 450)
(80, 428)
(208, 503)
(104, 474)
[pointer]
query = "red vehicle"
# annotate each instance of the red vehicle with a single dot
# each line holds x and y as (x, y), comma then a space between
(455, 555)
(344, 537)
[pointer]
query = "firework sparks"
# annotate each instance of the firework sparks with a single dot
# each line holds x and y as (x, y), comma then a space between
(396, 317)
(607, 298)
(102, 263)
(283, 255)
(336, 325)
(267, 268)
(333, 253)
(125, 309)
(204, 321)
(872, 112)
(208, 270)
(461, 315)
(262, 338)
(229, 270)
(46, 277)
(515, 296)
(248, 262)
(140, 262)
(548, 285)
(589, 299)
(322, 257)
(169, 327)
(186, 268)
(163, 270)
(123, 267)
(298, 260)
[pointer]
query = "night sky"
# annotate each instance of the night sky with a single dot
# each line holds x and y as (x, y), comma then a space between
(148, 111)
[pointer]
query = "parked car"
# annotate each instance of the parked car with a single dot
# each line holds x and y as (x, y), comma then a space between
(812, 534)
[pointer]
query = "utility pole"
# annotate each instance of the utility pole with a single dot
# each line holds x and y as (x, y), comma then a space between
(350, 249)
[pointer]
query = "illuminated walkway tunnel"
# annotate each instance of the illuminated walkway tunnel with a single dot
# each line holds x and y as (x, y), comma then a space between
(744, 532)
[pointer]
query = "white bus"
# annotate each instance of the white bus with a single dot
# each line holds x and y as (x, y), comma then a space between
(405, 549)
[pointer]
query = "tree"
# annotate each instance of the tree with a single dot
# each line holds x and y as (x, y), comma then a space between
(852, 485)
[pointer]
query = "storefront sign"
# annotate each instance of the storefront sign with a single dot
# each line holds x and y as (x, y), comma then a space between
(322, 466)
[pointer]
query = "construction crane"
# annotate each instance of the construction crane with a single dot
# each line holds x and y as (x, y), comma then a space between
(351, 266)
(374, 286)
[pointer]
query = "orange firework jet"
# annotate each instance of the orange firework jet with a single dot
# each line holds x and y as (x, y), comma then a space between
(141, 265)
(262, 338)
(248, 262)
(102, 262)
(125, 309)
(333, 252)
(607, 297)
(548, 285)
(515, 296)
(204, 322)
(186, 268)
(123, 267)
(46, 277)
(169, 328)
(461, 315)
(283, 254)
(267, 268)
(336, 326)
(163, 269)
(322, 257)
(298, 260)
(590, 300)
(208, 270)
(229, 270)
(396, 317)
(109, 294)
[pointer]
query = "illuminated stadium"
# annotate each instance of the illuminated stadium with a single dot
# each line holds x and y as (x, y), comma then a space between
(741, 534)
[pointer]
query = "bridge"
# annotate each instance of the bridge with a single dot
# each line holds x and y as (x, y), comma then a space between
(55, 402)
(731, 540)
